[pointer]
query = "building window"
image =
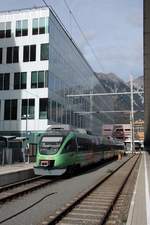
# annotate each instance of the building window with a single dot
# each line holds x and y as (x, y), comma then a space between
(1, 55)
(2, 30)
(34, 79)
(46, 25)
(32, 52)
(24, 109)
(46, 78)
(12, 55)
(8, 29)
(39, 79)
(10, 110)
(44, 51)
(35, 26)
(18, 28)
(4, 81)
(0, 109)
(20, 80)
(43, 108)
(28, 107)
(15, 54)
(9, 55)
(29, 53)
(1, 81)
(21, 28)
(26, 53)
(24, 27)
(5, 29)
(40, 25)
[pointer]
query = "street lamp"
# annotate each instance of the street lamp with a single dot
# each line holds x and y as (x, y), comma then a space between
(132, 116)
(26, 116)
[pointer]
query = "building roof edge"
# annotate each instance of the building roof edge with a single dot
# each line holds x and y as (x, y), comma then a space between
(24, 9)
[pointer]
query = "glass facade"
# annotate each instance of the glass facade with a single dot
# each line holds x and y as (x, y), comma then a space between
(69, 73)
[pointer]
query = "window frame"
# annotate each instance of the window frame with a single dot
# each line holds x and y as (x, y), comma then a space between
(1, 55)
(46, 108)
(29, 108)
(44, 56)
(5, 29)
(21, 30)
(29, 53)
(37, 74)
(4, 81)
(18, 84)
(11, 107)
(12, 54)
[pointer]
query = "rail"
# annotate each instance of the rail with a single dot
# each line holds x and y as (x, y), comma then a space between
(95, 204)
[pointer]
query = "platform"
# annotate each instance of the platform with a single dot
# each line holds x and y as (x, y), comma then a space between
(139, 213)
(15, 172)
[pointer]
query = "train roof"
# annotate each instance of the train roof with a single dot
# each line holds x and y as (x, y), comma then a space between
(77, 133)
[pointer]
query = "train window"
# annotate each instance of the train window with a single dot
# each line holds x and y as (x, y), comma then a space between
(84, 144)
(71, 146)
(50, 145)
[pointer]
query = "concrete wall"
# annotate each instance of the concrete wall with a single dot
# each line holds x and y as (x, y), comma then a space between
(147, 71)
(9, 178)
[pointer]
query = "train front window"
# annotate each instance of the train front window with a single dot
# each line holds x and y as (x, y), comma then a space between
(50, 145)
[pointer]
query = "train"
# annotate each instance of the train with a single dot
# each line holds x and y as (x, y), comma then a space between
(63, 151)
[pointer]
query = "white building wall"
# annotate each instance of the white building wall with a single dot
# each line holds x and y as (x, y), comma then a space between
(13, 16)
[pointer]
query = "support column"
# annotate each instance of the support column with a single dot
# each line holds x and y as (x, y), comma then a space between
(147, 72)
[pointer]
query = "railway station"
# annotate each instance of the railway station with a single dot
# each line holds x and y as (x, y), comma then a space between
(64, 157)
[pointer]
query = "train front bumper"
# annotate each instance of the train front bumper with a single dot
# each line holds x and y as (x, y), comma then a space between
(48, 172)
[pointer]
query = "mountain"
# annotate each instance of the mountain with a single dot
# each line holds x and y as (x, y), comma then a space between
(112, 83)
(139, 83)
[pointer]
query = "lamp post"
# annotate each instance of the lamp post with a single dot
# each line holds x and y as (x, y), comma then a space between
(26, 116)
(132, 116)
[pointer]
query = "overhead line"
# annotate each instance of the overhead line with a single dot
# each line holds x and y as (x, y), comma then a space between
(105, 94)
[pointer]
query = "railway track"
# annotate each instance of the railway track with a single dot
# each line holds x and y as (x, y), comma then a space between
(119, 214)
(16, 184)
(15, 190)
(95, 205)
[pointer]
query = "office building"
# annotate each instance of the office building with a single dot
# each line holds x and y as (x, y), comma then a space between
(40, 65)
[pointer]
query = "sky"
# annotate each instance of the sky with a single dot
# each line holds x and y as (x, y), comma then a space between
(113, 28)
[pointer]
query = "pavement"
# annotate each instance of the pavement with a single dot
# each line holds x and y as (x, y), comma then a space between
(139, 213)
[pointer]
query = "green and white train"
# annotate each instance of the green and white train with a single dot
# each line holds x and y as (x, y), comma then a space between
(61, 151)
